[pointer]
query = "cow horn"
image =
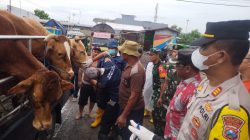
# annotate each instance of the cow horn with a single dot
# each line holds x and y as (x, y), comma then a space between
(50, 36)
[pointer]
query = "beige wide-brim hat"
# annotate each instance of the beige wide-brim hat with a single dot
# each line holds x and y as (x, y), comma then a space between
(130, 48)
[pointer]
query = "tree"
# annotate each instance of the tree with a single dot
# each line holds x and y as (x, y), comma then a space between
(187, 38)
(175, 27)
(41, 14)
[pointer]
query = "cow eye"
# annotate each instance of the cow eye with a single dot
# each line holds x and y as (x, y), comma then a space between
(60, 54)
(82, 52)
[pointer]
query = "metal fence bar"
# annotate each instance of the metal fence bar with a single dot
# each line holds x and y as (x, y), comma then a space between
(21, 37)
(14, 111)
(6, 79)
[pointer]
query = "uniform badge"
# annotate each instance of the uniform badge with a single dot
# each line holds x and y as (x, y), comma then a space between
(232, 126)
(196, 122)
(199, 88)
(194, 133)
(217, 91)
(162, 72)
(208, 107)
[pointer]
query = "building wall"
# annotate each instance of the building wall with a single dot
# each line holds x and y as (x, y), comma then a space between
(166, 32)
(21, 13)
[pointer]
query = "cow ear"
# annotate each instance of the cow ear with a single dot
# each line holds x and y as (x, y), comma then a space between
(21, 87)
(66, 85)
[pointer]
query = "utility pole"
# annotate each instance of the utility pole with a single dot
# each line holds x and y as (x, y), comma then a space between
(20, 9)
(10, 6)
(69, 21)
(187, 25)
(156, 13)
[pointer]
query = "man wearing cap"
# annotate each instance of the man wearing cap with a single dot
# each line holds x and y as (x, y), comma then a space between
(159, 87)
(111, 56)
(220, 108)
(178, 106)
(130, 91)
(108, 80)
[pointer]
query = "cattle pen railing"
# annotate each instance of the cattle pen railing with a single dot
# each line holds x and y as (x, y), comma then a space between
(5, 111)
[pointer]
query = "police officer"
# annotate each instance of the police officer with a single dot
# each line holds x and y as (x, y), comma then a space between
(220, 108)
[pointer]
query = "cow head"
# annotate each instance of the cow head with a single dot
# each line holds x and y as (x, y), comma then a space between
(44, 88)
(58, 53)
(78, 51)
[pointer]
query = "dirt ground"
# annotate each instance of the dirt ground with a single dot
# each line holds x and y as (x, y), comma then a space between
(72, 129)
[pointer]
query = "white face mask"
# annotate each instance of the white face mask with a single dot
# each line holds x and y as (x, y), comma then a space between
(198, 59)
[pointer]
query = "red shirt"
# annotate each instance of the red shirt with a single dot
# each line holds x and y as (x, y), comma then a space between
(178, 106)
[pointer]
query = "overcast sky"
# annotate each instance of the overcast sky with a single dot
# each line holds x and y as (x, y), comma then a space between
(170, 11)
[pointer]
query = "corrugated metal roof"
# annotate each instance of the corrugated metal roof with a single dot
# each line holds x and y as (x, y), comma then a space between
(121, 27)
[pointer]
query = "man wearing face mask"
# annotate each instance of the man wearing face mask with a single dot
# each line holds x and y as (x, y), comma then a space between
(220, 108)
(110, 56)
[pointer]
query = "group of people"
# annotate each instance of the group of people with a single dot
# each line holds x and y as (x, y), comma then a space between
(196, 94)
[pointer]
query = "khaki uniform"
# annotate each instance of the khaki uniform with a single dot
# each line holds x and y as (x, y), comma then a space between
(218, 113)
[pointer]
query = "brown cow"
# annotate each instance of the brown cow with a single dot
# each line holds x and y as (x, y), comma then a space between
(57, 45)
(42, 86)
(78, 51)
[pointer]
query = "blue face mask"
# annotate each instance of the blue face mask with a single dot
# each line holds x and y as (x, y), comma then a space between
(112, 52)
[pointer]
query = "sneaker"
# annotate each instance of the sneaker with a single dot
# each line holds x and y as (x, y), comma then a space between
(78, 117)
(74, 99)
(151, 120)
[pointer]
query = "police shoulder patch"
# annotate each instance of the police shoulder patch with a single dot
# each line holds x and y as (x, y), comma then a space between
(231, 125)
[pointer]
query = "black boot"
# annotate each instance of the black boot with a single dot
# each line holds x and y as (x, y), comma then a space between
(102, 137)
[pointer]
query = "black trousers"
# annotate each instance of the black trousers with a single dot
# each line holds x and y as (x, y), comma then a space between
(137, 116)
(110, 115)
(103, 96)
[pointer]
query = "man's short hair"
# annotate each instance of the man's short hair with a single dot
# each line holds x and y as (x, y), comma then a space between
(237, 49)
(184, 58)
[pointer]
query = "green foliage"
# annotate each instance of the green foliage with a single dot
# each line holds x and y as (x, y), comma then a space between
(41, 14)
(175, 27)
(187, 38)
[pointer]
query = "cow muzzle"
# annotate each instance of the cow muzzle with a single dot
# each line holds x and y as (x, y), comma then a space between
(71, 74)
(42, 125)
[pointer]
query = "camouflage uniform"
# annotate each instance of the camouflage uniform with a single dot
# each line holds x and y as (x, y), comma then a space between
(159, 113)
(173, 81)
